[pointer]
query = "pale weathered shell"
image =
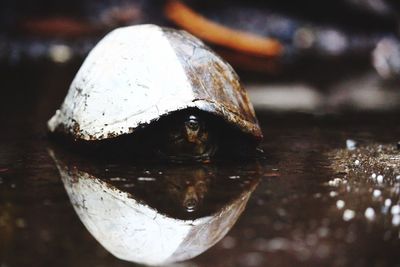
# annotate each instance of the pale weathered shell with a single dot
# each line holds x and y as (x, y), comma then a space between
(137, 74)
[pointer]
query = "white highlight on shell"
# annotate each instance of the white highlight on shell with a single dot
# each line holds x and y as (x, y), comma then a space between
(379, 178)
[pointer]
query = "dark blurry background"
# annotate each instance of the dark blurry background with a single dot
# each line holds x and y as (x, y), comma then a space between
(309, 55)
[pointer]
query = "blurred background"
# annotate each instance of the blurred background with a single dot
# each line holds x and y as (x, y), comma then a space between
(324, 79)
(310, 56)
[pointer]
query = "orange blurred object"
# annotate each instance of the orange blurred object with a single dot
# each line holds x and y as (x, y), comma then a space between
(212, 32)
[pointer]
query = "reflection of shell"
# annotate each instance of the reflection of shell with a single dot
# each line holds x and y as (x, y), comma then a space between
(133, 231)
(139, 73)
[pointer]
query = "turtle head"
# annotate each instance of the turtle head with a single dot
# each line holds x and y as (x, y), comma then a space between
(194, 130)
(189, 137)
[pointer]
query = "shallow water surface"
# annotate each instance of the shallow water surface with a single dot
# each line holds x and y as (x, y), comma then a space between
(288, 204)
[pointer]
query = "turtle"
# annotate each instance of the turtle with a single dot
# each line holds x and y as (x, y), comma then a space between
(150, 77)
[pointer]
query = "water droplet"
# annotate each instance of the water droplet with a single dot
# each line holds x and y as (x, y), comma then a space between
(340, 204)
(146, 179)
(335, 182)
(395, 209)
(228, 242)
(60, 53)
(369, 213)
(20, 223)
(351, 144)
(376, 193)
(348, 215)
(396, 220)
(117, 179)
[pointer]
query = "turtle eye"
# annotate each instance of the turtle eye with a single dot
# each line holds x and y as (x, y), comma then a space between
(193, 123)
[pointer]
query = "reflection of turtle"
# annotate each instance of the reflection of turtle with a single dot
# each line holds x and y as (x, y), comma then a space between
(141, 219)
(138, 75)
(190, 192)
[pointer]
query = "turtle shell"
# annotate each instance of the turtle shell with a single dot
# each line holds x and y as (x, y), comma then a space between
(137, 74)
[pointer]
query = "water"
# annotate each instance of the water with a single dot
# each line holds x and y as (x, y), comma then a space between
(292, 217)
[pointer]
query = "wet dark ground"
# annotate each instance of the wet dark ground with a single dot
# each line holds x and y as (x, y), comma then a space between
(298, 215)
